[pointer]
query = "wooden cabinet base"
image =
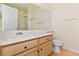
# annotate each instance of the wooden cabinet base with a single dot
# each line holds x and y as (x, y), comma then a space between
(37, 47)
(45, 49)
(31, 52)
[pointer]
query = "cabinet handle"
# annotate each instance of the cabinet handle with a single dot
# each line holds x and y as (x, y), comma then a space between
(25, 47)
(37, 50)
(41, 49)
(47, 39)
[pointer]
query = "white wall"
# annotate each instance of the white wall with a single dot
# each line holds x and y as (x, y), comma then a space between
(66, 25)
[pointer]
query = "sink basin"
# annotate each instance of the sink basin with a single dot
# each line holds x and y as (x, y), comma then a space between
(19, 33)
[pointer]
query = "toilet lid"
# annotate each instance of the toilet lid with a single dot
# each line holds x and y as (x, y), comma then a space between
(58, 41)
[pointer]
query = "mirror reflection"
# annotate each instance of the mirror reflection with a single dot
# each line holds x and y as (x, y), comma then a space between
(23, 16)
(22, 22)
(0, 19)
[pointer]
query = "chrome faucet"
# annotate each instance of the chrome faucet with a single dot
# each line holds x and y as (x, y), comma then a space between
(19, 33)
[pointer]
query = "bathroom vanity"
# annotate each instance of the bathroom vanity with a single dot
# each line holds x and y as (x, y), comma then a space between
(31, 41)
(35, 45)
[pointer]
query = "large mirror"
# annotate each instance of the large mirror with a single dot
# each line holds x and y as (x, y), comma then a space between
(22, 22)
(0, 19)
(23, 16)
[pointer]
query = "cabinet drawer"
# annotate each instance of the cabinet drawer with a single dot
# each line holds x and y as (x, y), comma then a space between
(17, 48)
(31, 52)
(13, 49)
(31, 44)
(45, 39)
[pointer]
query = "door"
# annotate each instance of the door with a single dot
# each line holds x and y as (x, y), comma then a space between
(9, 18)
(45, 49)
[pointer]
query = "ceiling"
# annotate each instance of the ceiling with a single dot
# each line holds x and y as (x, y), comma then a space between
(47, 6)
(21, 6)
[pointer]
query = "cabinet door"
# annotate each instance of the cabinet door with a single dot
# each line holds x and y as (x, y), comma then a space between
(45, 39)
(20, 47)
(34, 53)
(13, 49)
(31, 52)
(9, 18)
(45, 49)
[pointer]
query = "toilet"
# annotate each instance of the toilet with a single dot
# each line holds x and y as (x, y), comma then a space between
(57, 45)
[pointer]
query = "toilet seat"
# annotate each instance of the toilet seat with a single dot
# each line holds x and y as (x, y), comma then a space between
(58, 42)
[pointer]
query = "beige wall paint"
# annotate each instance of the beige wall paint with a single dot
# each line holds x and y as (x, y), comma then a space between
(66, 25)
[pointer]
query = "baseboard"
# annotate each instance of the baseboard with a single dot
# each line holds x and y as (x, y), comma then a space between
(71, 50)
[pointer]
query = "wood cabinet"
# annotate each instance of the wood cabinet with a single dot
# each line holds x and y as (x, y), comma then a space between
(13, 49)
(31, 52)
(45, 49)
(44, 39)
(17, 48)
(36, 47)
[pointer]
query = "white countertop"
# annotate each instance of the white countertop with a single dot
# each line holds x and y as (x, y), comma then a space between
(27, 35)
